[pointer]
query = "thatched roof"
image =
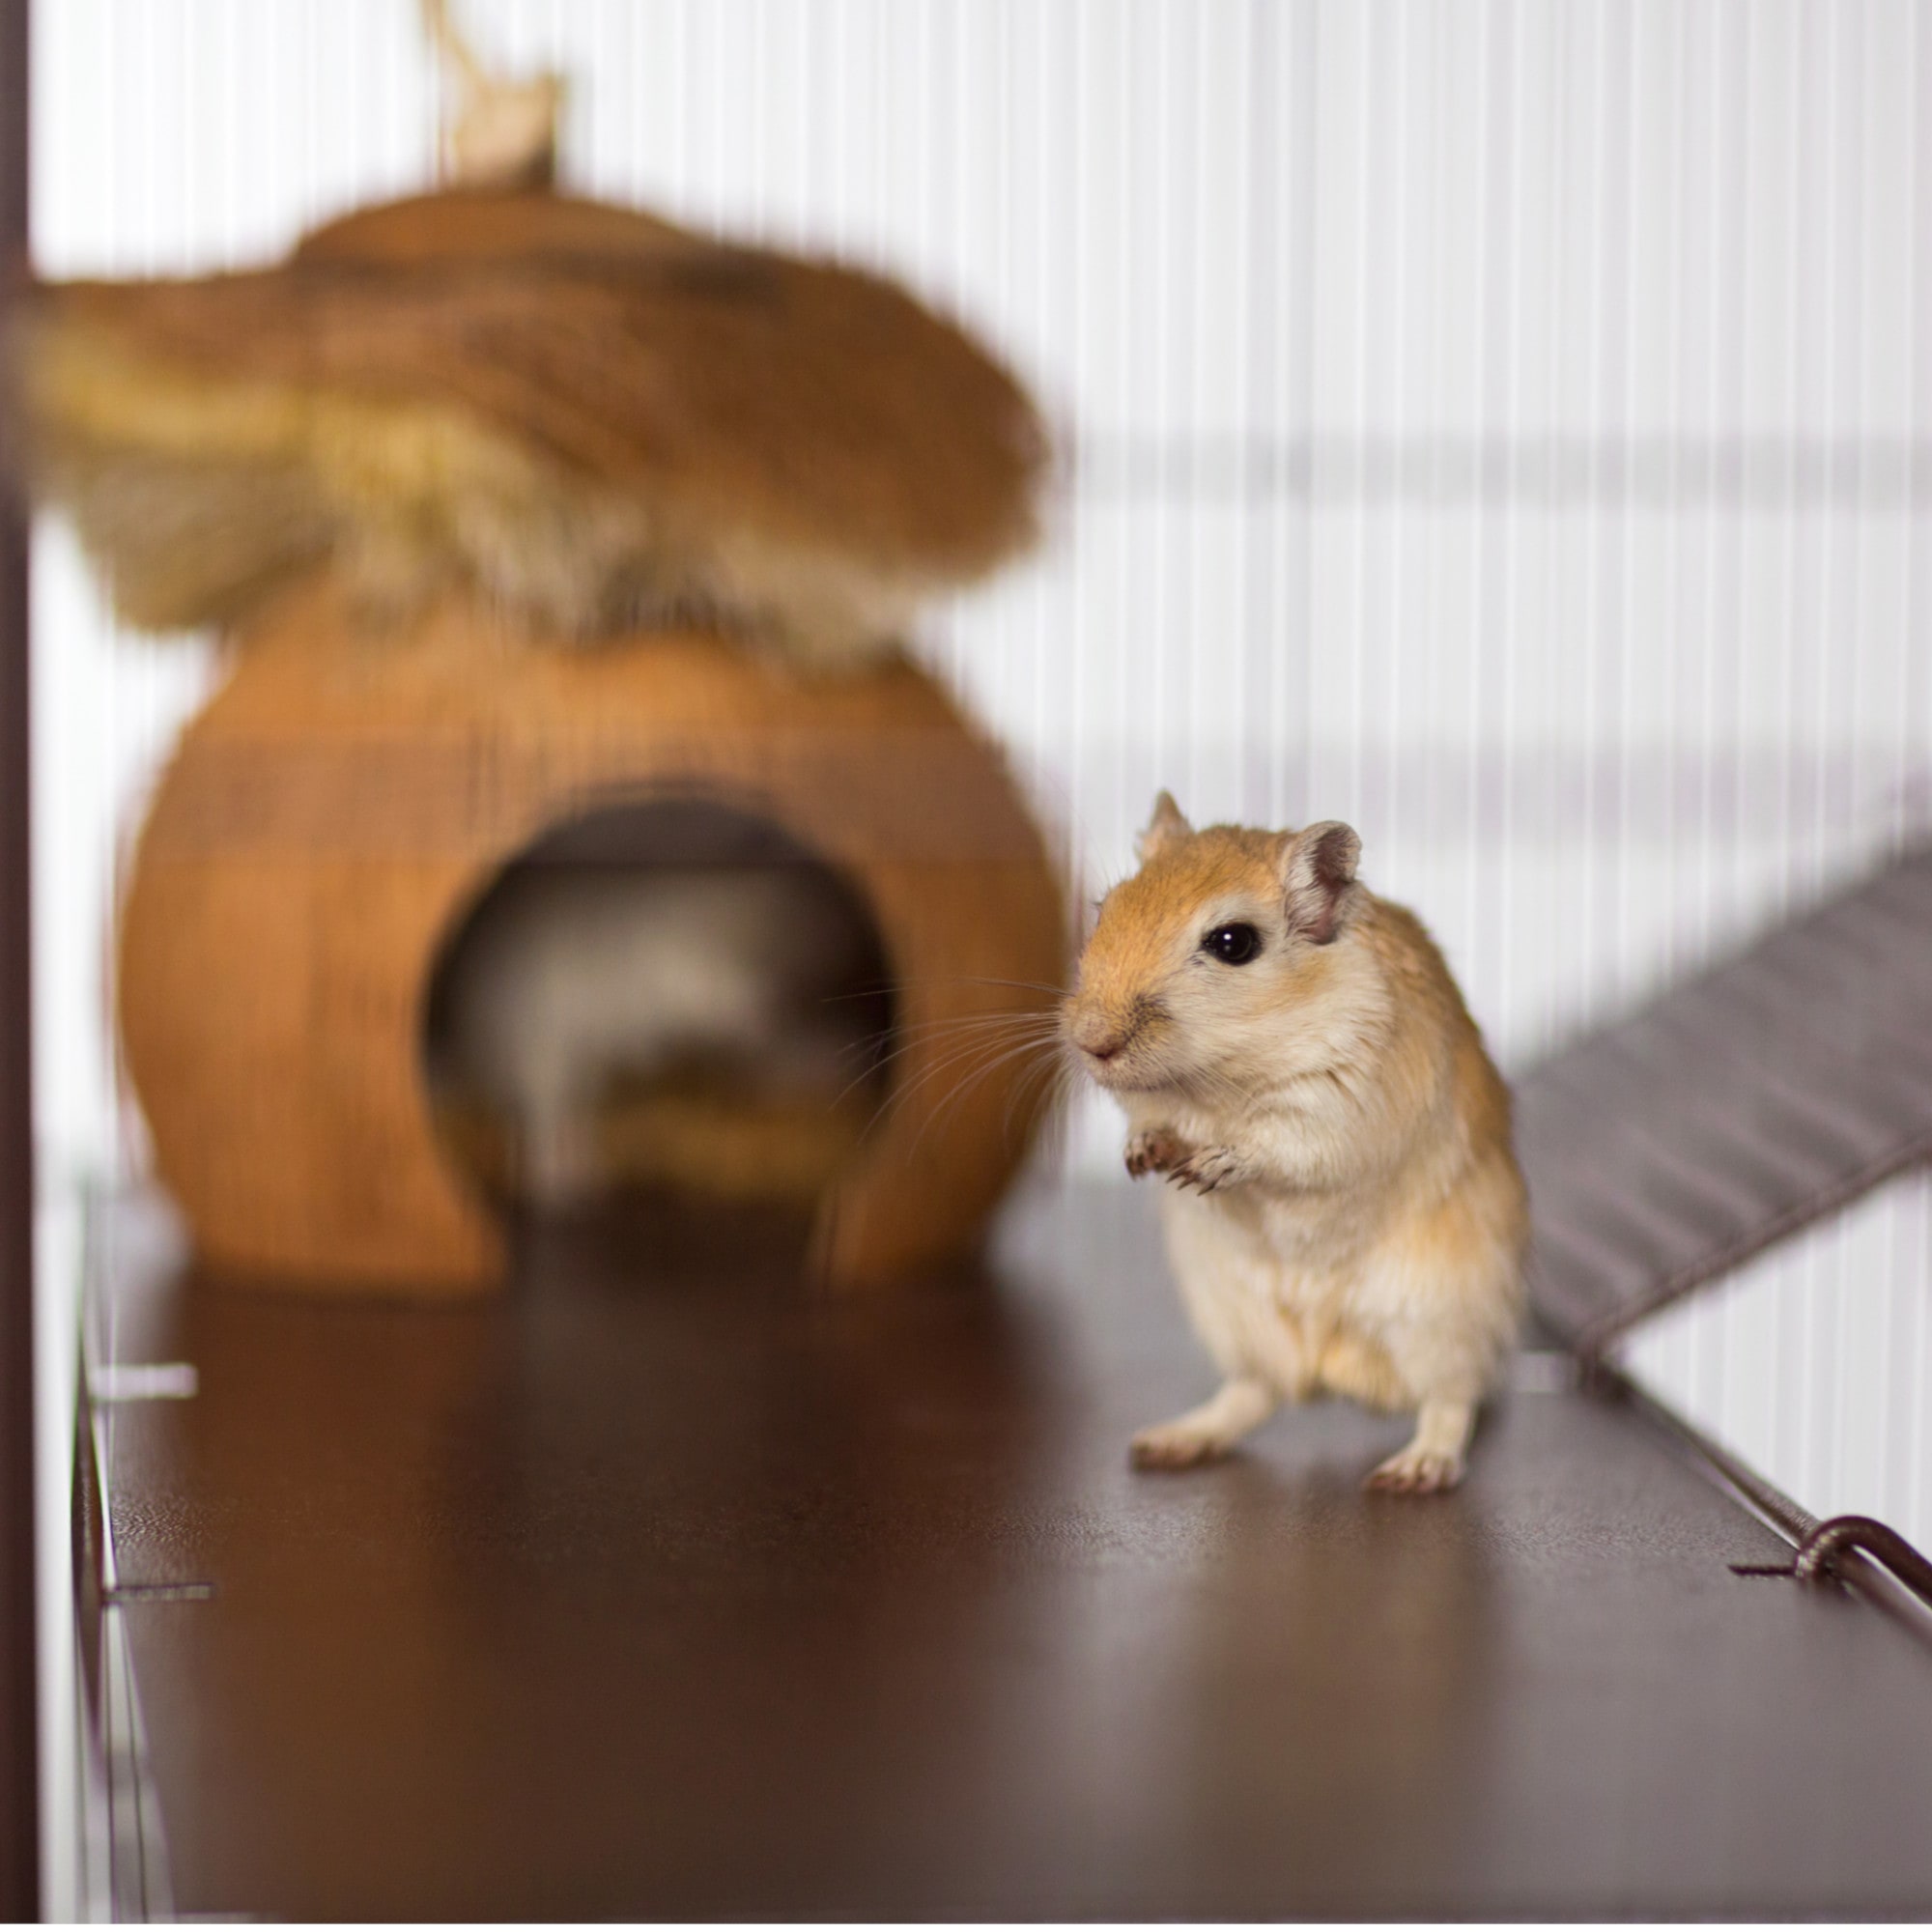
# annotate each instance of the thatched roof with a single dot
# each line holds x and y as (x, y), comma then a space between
(594, 418)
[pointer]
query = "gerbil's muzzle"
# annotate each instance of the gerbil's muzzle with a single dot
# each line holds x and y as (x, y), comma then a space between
(1104, 1036)
(1097, 1036)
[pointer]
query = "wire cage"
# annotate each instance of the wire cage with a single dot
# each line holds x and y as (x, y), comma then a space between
(1506, 429)
(1548, 505)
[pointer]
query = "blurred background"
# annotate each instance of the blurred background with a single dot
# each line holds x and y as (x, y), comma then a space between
(1504, 427)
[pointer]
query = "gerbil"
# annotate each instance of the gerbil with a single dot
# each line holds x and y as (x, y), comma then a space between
(1344, 1213)
(571, 975)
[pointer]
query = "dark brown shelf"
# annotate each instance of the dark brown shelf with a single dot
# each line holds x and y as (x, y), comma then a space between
(659, 1590)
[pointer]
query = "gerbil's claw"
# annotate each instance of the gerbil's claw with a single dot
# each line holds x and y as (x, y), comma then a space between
(1155, 1151)
(1416, 1472)
(1206, 1168)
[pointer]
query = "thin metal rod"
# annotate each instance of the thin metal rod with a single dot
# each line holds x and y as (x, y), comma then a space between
(19, 1753)
(1836, 1547)
(1821, 1556)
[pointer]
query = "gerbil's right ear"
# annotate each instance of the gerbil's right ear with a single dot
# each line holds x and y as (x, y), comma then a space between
(1316, 869)
(1164, 827)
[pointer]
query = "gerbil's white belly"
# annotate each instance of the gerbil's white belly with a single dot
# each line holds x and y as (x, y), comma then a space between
(1281, 1291)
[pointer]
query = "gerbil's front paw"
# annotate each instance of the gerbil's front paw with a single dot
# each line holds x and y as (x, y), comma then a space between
(1174, 1445)
(1204, 1169)
(1416, 1472)
(1155, 1151)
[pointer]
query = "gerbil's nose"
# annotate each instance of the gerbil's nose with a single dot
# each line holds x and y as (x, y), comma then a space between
(1093, 1034)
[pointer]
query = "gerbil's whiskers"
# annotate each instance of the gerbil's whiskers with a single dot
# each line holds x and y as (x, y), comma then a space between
(1050, 1078)
(975, 1029)
(980, 1058)
(950, 1101)
(998, 1046)
(1020, 985)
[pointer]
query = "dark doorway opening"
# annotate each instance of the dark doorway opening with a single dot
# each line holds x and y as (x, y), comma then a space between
(665, 1014)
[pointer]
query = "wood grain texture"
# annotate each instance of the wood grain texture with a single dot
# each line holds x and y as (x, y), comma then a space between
(329, 819)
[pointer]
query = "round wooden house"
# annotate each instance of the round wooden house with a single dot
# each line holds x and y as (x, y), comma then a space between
(344, 800)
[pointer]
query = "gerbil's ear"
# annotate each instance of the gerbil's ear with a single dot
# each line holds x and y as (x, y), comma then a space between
(1164, 827)
(1316, 869)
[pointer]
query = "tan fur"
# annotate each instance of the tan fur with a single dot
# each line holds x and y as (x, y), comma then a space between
(595, 417)
(1344, 1211)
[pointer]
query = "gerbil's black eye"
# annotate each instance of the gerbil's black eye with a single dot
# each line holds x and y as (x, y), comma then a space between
(1234, 945)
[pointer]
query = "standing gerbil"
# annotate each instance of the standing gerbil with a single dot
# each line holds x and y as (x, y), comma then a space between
(1346, 1214)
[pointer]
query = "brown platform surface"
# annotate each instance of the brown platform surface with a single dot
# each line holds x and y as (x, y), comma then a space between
(657, 1590)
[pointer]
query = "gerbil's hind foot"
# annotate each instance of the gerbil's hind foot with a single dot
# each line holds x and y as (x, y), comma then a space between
(1173, 1445)
(1206, 1433)
(1416, 1472)
(1434, 1460)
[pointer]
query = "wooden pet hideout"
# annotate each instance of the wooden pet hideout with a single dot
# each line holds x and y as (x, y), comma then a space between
(334, 814)
(531, 520)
